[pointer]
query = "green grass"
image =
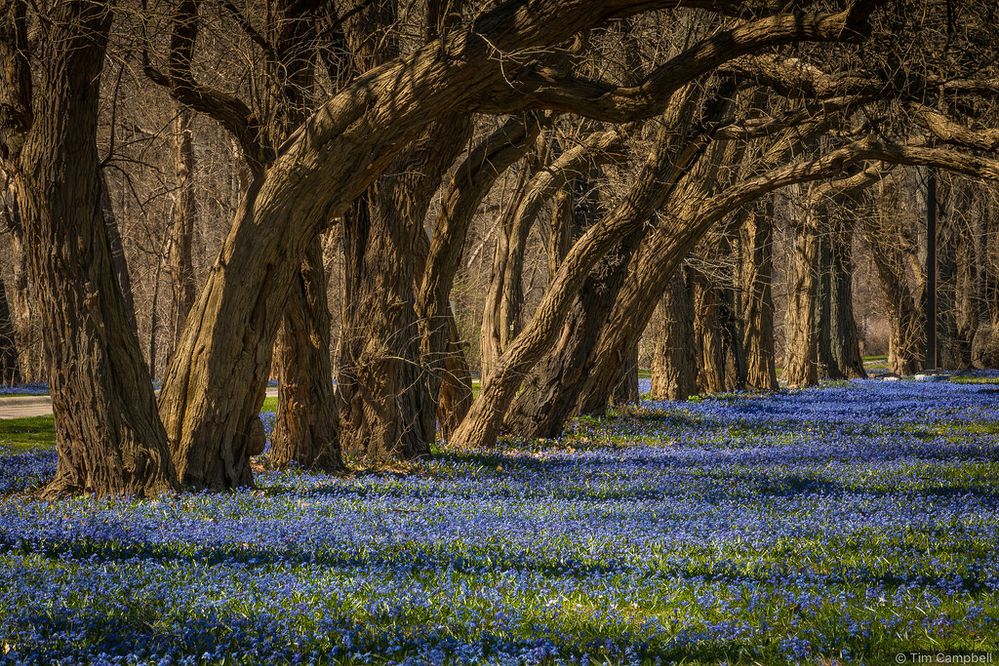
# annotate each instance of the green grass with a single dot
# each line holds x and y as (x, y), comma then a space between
(270, 405)
(20, 435)
(974, 380)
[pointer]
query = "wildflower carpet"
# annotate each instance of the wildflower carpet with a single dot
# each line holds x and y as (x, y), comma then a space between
(846, 523)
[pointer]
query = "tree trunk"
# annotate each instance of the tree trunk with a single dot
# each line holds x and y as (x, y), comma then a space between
(455, 392)
(907, 332)
(758, 305)
(470, 182)
(387, 396)
(548, 398)
(108, 437)
(118, 261)
(10, 371)
(710, 335)
(800, 324)
(379, 383)
(625, 391)
(306, 428)
(31, 359)
(674, 362)
(209, 394)
(844, 337)
(180, 264)
(954, 340)
(671, 155)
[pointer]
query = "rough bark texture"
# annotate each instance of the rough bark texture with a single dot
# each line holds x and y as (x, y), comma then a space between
(548, 397)
(801, 321)
(758, 305)
(455, 390)
(388, 411)
(625, 391)
(118, 261)
(710, 335)
(842, 358)
(10, 371)
(674, 361)
(672, 153)
(306, 428)
(180, 264)
(907, 331)
(108, 437)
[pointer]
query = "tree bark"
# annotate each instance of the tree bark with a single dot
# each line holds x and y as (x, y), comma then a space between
(674, 362)
(10, 371)
(118, 261)
(801, 322)
(108, 437)
(455, 391)
(758, 310)
(710, 335)
(907, 332)
(673, 151)
(306, 427)
(180, 263)
(625, 390)
(548, 397)
(439, 339)
(844, 359)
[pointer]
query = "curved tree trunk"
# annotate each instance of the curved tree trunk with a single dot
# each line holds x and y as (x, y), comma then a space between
(108, 437)
(549, 394)
(469, 185)
(209, 394)
(672, 153)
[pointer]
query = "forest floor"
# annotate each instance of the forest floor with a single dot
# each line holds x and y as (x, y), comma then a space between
(850, 522)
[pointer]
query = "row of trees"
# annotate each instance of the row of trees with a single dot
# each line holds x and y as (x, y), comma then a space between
(620, 158)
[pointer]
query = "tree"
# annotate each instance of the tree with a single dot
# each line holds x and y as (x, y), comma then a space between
(108, 438)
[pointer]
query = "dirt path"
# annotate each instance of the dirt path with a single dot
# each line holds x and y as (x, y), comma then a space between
(24, 406)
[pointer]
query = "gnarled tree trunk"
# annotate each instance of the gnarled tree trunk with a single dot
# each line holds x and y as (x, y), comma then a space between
(108, 437)
(306, 427)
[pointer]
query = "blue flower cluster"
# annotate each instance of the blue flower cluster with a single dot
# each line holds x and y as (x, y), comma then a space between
(838, 524)
(25, 389)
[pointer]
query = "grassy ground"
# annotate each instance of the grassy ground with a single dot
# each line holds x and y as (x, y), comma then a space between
(19, 435)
